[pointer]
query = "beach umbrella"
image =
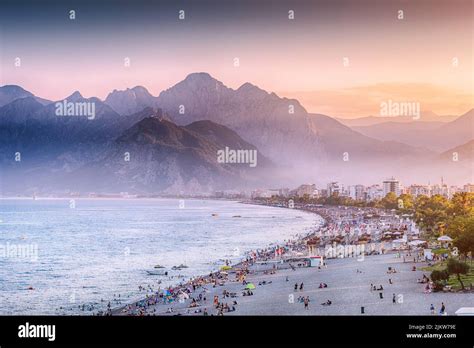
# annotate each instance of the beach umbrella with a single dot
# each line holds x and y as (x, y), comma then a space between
(445, 239)
(417, 242)
(250, 286)
(225, 268)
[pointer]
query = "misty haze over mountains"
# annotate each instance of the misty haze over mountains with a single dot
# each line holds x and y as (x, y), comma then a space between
(172, 141)
(436, 136)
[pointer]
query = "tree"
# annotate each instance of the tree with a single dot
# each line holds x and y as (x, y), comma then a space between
(439, 276)
(334, 199)
(459, 225)
(465, 241)
(390, 201)
(405, 203)
(431, 213)
(457, 268)
(462, 204)
(305, 199)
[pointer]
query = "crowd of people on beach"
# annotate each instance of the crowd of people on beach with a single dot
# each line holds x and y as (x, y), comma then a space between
(192, 294)
(191, 297)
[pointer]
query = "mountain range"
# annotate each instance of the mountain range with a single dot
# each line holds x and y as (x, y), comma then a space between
(131, 100)
(173, 138)
(436, 136)
(425, 118)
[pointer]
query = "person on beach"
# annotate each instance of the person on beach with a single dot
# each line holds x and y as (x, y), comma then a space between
(394, 300)
(306, 302)
(301, 287)
(296, 286)
(432, 309)
(443, 308)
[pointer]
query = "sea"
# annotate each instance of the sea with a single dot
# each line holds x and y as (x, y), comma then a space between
(74, 256)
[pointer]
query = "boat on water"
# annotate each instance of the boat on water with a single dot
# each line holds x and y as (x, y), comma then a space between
(215, 214)
(237, 216)
(175, 268)
(159, 266)
(159, 273)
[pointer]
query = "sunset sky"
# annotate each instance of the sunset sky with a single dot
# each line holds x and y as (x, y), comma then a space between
(406, 60)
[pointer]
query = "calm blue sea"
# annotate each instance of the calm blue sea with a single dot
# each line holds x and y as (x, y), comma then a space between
(57, 255)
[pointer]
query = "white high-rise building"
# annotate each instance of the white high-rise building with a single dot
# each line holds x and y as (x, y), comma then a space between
(391, 185)
(468, 188)
(334, 188)
(357, 192)
(374, 192)
(442, 190)
(418, 190)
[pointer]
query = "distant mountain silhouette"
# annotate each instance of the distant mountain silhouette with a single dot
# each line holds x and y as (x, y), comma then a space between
(280, 127)
(9, 93)
(425, 116)
(463, 154)
(131, 100)
(303, 146)
(74, 153)
(433, 135)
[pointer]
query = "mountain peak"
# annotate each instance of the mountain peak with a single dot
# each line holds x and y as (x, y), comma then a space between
(200, 83)
(199, 76)
(139, 89)
(200, 80)
(248, 87)
(14, 89)
(9, 93)
(75, 96)
(130, 100)
(130, 91)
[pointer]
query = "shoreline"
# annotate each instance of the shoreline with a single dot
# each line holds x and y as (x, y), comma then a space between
(264, 284)
(234, 268)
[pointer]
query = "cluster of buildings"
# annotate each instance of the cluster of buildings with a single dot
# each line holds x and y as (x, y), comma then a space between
(362, 192)
(356, 192)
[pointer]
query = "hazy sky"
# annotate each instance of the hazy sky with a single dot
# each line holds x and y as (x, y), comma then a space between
(409, 59)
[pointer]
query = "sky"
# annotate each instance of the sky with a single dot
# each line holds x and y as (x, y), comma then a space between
(338, 57)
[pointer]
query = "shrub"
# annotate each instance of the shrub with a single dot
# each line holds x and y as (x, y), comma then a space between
(457, 268)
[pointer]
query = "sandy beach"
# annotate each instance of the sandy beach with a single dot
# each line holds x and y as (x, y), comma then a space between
(348, 282)
(269, 283)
